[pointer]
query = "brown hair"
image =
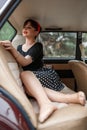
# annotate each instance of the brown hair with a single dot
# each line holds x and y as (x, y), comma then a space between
(34, 24)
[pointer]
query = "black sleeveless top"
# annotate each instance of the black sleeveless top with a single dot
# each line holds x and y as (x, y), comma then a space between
(36, 52)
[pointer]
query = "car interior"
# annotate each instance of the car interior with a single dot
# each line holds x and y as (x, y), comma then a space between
(57, 18)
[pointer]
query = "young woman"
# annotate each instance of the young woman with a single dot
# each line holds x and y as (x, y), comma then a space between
(40, 82)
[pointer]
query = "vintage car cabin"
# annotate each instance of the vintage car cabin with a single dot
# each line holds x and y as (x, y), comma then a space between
(64, 39)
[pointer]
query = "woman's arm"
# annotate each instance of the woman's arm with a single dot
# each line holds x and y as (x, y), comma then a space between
(23, 61)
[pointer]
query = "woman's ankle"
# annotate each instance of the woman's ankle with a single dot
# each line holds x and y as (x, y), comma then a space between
(46, 111)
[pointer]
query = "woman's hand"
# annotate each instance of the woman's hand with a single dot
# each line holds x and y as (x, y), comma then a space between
(7, 45)
(19, 58)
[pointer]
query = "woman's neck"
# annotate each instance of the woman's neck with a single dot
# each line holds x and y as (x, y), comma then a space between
(29, 41)
(28, 44)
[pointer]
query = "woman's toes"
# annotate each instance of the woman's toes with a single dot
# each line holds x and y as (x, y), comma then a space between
(82, 98)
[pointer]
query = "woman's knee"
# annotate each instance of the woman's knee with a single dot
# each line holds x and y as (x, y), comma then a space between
(25, 73)
(22, 73)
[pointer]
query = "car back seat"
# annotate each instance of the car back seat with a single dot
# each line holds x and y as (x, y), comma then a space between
(68, 117)
(79, 69)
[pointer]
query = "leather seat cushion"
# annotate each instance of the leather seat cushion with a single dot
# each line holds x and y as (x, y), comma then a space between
(73, 117)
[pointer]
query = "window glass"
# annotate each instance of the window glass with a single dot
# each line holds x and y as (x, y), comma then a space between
(84, 42)
(58, 44)
(7, 32)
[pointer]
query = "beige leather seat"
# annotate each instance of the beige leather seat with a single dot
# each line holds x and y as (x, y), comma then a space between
(79, 69)
(67, 117)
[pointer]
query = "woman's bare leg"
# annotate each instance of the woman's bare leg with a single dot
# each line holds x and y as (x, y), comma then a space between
(35, 88)
(56, 96)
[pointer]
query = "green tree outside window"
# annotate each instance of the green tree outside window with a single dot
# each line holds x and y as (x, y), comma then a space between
(7, 32)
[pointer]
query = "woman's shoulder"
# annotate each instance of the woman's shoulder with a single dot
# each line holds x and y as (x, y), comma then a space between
(39, 44)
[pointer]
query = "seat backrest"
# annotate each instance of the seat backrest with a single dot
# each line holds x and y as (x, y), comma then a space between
(11, 82)
(79, 69)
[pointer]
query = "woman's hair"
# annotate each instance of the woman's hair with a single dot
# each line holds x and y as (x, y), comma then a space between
(34, 24)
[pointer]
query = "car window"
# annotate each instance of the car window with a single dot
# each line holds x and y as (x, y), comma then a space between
(59, 44)
(84, 42)
(7, 32)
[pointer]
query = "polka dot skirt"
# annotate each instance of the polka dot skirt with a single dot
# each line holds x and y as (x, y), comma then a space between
(49, 78)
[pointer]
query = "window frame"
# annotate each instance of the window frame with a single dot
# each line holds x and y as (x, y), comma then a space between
(8, 10)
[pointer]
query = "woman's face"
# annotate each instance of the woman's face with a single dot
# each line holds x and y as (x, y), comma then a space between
(29, 31)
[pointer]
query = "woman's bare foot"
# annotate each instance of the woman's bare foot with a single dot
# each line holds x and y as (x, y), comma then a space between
(78, 97)
(82, 98)
(46, 111)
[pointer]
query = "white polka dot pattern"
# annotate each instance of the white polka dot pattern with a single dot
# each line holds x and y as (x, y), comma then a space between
(49, 78)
